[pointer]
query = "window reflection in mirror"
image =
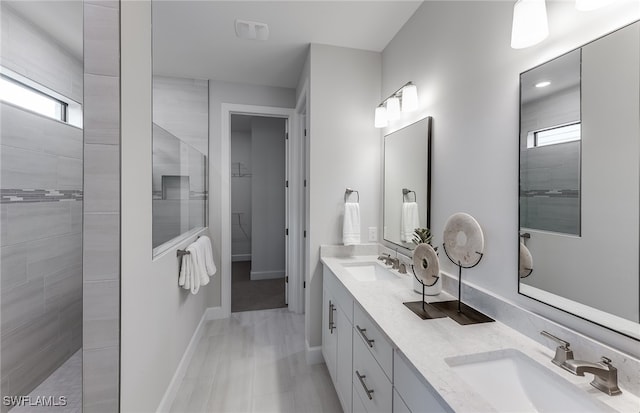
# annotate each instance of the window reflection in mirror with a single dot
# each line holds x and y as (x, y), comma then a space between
(580, 181)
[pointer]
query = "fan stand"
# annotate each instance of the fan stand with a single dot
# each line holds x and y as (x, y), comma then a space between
(456, 309)
(421, 308)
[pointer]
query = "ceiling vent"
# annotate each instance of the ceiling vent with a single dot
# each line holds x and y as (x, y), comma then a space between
(252, 30)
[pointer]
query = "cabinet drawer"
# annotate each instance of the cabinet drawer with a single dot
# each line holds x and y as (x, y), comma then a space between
(374, 340)
(371, 384)
(358, 405)
(417, 395)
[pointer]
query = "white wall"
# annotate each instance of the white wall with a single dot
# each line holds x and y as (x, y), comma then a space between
(237, 93)
(157, 317)
(268, 198)
(459, 56)
(345, 152)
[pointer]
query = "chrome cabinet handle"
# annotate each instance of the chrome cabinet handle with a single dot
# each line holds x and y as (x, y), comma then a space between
(361, 377)
(332, 324)
(367, 339)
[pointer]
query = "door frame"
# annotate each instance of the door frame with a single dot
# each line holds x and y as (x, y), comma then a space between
(296, 279)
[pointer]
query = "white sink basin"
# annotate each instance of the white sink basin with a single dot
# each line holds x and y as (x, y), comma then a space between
(369, 271)
(512, 382)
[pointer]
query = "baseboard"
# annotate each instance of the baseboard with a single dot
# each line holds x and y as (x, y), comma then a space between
(241, 257)
(211, 313)
(314, 354)
(266, 275)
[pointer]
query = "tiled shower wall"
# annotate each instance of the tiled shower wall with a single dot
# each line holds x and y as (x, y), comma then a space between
(101, 252)
(41, 209)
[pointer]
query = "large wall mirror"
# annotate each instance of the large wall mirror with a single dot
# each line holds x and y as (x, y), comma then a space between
(580, 181)
(407, 165)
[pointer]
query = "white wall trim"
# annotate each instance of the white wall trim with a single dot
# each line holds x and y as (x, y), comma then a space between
(227, 109)
(240, 257)
(214, 313)
(314, 354)
(181, 370)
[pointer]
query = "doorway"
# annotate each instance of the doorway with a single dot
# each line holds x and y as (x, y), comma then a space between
(258, 212)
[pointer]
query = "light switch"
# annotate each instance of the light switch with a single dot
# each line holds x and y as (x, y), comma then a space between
(373, 234)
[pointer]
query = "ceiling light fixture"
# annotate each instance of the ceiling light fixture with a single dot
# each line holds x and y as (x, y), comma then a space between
(249, 30)
(390, 108)
(543, 84)
(530, 24)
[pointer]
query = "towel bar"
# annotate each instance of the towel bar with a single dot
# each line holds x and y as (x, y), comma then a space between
(406, 192)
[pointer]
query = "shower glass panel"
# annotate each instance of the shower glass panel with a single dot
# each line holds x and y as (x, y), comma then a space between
(41, 203)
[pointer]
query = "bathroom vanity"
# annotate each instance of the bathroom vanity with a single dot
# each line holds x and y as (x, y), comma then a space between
(383, 358)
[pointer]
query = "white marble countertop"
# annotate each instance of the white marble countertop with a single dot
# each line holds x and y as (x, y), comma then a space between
(426, 343)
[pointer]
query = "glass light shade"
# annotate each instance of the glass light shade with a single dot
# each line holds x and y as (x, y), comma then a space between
(381, 117)
(393, 108)
(530, 25)
(586, 5)
(409, 98)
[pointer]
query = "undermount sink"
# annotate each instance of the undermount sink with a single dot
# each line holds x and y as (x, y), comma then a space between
(369, 271)
(512, 382)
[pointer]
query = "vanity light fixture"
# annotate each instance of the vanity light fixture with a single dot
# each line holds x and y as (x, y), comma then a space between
(404, 99)
(530, 24)
(543, 84)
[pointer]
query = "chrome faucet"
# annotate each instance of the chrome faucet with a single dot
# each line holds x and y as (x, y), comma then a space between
(605, 376)
(385, 258)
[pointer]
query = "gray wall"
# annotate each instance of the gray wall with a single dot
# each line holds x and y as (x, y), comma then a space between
(41, 212)
(101, 249)
(268, 197)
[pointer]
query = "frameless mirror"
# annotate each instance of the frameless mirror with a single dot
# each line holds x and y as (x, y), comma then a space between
(407, 166)
(580, 181)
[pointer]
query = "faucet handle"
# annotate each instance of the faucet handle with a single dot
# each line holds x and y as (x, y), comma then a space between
(563, 352)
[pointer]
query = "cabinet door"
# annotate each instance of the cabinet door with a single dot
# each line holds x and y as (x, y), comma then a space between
(344, 358)
(329, 333)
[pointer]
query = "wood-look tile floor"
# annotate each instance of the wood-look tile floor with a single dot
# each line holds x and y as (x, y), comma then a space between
(254, 361)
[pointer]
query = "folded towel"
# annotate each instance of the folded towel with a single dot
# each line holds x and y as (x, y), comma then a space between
(208, 255)
(185, 268)
(410, 221)
(351, 224)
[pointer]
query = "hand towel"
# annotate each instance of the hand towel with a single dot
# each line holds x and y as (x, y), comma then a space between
(410, 221)
(185, 268)
(199, 264)
(351, 224)
(194, 279)
(208, 255)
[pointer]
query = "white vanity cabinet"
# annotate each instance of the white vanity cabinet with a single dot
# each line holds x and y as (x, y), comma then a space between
(337, 316)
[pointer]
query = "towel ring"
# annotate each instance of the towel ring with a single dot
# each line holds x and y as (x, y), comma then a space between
(348, 192)
(406, 192)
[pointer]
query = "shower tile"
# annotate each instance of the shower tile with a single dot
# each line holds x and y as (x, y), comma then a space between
(61, 139)
(76, 209)
(27, 169)
(102, 178)
(63, 288)
(21, 343)
(4, 223)
(114, 4)
(32, 221)
(22, 305)
(13, 266)
(100, 333)
(52, 255)
(20, 129)
(102, 109)
(101, 52)
(69, 173)
(101, 310)
(100, 379)
(101, 247)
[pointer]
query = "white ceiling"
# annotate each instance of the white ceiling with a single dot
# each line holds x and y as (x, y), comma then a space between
(197, 38)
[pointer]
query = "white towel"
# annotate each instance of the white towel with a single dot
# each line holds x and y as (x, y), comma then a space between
(193, 283)
(208, 255)
(351, 224)
(410, 221)
(200, 268)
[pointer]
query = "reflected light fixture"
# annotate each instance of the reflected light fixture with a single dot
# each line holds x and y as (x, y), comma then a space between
(587, 5)
(543, 84)
(530, 24)
(389, 109)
